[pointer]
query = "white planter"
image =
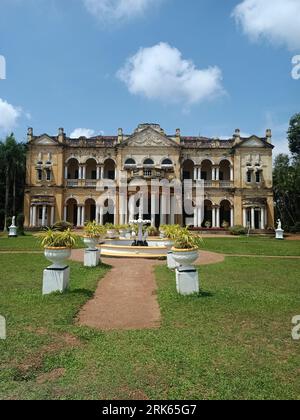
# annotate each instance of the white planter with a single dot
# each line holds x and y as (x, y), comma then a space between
(185, 257)
(122, 233)
(91, 243)
(112, 233)
(57, 256)
(168, 243)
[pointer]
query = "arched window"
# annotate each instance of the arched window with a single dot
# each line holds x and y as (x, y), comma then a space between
(167, 162)
(148, 162)
(130, 162)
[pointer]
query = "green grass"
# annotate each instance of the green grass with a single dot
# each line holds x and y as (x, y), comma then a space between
(252, 246)
(23, 243)
(233, 341)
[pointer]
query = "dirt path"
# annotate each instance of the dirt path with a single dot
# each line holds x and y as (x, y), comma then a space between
(126, 298)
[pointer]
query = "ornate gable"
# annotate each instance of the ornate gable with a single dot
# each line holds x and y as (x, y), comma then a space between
(255, 142)
(45, 140)
(149, 138)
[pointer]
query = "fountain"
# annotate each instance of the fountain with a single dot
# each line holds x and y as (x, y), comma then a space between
(139, 246)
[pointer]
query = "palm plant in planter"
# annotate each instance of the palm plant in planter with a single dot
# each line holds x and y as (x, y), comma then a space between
(92, 234)
(57, 246)
(186, 247)
(111, 230)
(170, 233)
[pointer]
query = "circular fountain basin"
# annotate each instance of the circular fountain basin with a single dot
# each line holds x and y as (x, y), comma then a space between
(122, 248)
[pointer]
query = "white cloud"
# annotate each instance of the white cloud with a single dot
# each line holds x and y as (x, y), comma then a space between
(82, 132)
(112, 10)
(8, 116)
(161, 73)
(277, 21)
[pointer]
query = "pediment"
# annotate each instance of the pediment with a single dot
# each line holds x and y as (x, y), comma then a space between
(254, 141)
(149, 138)
(45, 140)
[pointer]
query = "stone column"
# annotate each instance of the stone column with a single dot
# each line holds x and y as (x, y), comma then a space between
(78, 216)
(245, 217)
(98, 173)
(213, 174)
(44, 216)
(163, 206)
(213, 217)
(231, 173)
(153, 209)
(252, 218)
(34, 216)
(52, 215)
(84, 172)
(101, 172)
(31, 216)
(217, 169)
(195, 217)
(199, 217)
(101, 215)
(262, 218)
(195, 173)
(82, 215)
(231, 217)
(65, 213)
(66, 172)
(172, 210)
(131, 207)
(218, 217)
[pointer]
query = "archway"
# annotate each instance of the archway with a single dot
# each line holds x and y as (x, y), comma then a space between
(206, 170)
(225, 170)
(188, 169)
(73, 169)
(225, 213)
(72, 207)
(90, 210)
(109, 169)
(207, 213)
(91, 169)
(109, 216)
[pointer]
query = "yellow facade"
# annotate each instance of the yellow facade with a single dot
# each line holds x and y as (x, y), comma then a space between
(63, 177)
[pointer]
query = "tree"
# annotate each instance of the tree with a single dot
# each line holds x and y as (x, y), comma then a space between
(12, 172)
(294, 135)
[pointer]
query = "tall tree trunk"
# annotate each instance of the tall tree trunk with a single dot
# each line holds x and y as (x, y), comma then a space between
(14, 194)
(6, 199)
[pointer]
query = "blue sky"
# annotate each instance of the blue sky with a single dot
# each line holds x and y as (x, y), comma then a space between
(66, 66)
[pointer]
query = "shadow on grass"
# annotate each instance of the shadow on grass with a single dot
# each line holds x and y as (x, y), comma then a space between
(82, 292)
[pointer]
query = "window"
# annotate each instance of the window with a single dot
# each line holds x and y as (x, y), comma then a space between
(130, 162)
(249, 176)
(111, 175)
(148, 162)
(48, 175)
(221, 176)
(204, 175)
(258, 177)
(186, 175)
(94, 174)
(39, 175)
(147, 173)
(167, 162)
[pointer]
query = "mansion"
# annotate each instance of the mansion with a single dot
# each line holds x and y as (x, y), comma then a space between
(63, 175)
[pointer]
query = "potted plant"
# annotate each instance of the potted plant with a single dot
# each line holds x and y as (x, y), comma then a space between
(92, 234)
(170, 233)
(208, 224)
(57, 246)
(123, 230)
(186, 247)
(111, 230)
(152, 231)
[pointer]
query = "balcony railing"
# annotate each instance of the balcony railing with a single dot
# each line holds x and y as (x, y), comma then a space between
(226, 184)
(91, 183)
(208, 184)
(72, 183)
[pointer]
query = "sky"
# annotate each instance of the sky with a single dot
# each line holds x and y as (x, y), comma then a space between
(205, 66)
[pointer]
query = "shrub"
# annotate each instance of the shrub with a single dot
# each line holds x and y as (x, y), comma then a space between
(238, 230)
(152, 231)
(61, 226)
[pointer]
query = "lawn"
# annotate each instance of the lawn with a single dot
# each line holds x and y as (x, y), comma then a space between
(233, 341)
(23, 243)
(252, 246)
